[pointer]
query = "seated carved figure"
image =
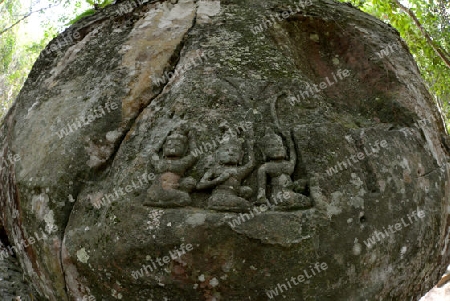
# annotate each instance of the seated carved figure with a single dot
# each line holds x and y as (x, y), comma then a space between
(277, 170)
(169, 188)
(226, 177)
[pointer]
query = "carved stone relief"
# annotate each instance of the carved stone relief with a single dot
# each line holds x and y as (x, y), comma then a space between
(222, 180)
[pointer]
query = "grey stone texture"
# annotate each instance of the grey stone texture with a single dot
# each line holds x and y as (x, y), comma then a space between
(186, 124)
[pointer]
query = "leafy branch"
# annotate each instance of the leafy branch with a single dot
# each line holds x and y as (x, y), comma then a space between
(24, 17)
(439, 50)
(96, 6)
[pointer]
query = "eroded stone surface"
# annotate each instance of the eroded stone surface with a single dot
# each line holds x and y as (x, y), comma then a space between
(306, 175)
(13, 285)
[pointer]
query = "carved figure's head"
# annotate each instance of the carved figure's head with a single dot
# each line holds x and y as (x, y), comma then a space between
(272, 146)
(175, 144)
(230, 151)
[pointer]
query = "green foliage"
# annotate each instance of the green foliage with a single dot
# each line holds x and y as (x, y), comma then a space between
(86, 13)
(100, 4)
(91, 11)
(16, 56)
(8, 57)
(6, 52)
(434, 18)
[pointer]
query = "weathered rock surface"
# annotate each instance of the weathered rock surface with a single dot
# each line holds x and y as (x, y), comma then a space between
(139, 199)
(12, 281)
(440, 291)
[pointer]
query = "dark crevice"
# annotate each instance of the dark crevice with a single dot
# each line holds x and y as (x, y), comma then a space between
(4, 237)
(173, 63)
(77, 191)
(362, 219)
(427, 173)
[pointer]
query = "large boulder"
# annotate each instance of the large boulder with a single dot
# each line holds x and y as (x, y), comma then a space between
(226, 150)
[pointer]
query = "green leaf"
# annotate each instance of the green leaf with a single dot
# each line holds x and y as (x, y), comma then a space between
(86, 13)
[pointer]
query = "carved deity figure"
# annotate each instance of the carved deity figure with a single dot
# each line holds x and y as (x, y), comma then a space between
(227, 175)
(277, 172)
(169, 188)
